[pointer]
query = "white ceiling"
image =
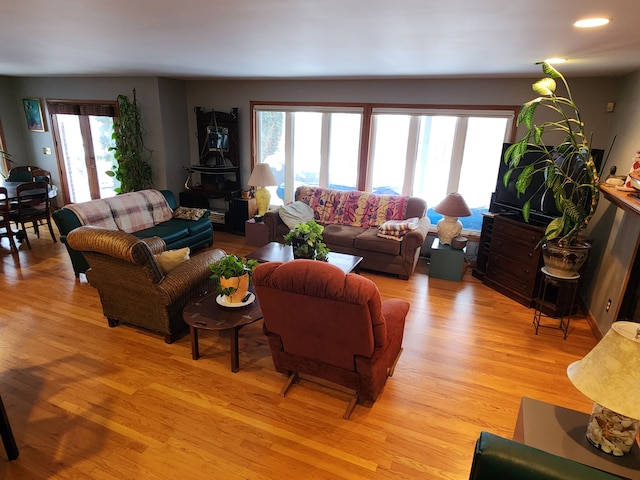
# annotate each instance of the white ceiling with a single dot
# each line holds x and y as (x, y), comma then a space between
(314, 38)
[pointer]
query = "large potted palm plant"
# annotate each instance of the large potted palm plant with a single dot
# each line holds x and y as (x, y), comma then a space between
(570, 174)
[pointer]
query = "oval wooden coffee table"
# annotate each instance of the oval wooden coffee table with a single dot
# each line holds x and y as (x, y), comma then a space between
(206, 314)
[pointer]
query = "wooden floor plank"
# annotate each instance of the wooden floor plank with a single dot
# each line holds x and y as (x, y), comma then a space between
(89, 401)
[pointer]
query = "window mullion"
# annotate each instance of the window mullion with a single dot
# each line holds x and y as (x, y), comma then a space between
(457, 154)
(323, 177)
(289, 128)
(413, 140)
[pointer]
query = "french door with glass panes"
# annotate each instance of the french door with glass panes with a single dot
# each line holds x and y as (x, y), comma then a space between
(82, 133)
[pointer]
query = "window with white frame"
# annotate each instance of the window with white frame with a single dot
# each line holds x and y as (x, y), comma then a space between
(424, 152)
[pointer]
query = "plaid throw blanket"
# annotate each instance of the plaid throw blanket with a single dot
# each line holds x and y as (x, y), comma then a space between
(129, 212)
(353, 208)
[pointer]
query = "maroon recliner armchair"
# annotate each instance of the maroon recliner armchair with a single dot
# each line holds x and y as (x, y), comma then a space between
(325, 323)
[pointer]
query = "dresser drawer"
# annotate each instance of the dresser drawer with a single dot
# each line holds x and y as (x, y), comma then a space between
(516, 234)
(522, 252)
(526, 268)
(524, 286)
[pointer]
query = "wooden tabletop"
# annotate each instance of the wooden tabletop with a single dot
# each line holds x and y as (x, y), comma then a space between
(277, 252)
(205, 313)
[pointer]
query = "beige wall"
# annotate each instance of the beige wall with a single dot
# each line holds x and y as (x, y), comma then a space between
(592, 95)
(615, 233)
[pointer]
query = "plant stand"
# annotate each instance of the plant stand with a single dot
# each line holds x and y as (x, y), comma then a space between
(566, 289)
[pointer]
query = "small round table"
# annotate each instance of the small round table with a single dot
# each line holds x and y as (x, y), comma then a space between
(205, 313)
(565, 289)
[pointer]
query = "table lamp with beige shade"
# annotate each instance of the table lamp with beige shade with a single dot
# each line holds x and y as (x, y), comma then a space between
(452, 207)
(261, 177)
(610, 376)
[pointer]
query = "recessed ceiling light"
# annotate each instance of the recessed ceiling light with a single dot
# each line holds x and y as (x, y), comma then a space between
(591, 22)
(554, 60)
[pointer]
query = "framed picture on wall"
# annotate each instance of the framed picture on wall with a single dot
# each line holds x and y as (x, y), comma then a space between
(33, 114)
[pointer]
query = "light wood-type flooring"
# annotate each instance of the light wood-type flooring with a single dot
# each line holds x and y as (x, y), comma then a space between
(91, 402)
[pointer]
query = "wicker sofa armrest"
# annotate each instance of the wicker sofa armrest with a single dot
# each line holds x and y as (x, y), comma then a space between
(155, 244)
(193, 271)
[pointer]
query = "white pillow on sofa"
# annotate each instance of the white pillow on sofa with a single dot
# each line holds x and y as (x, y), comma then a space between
(295, 213)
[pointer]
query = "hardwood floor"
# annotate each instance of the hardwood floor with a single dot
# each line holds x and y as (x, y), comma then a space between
(89, 401)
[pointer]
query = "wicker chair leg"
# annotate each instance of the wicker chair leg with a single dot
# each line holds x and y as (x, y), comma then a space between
(113, 322)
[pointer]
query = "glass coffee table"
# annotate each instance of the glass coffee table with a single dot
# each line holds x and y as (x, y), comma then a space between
(277, 252)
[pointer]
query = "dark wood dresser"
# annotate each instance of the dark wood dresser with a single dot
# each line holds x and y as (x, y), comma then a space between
(514, 262)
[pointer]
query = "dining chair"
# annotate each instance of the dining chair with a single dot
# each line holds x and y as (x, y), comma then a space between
(32, 205)
(40, 175)
(21, 173)
(5, 219)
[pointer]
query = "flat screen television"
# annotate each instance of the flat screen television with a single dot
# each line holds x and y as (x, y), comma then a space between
(505, 199)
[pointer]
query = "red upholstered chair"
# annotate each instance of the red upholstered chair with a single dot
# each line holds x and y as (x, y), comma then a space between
(331, 325)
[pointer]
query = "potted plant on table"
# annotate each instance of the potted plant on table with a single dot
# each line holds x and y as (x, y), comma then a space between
(234, 276)
(306, 240)
(569, 171)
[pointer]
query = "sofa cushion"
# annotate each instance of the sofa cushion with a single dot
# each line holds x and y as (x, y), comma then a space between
(295, 213)
(168, 231)
(341, 235)
(193, 227)
(369, 240)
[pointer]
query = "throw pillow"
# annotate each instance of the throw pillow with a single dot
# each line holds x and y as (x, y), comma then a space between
(170, 259)
(187, 213)
(295, 213)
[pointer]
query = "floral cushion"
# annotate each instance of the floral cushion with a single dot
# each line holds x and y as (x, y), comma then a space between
(187, 213)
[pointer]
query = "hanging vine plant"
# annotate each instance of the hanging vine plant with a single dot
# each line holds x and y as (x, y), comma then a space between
(132, 168)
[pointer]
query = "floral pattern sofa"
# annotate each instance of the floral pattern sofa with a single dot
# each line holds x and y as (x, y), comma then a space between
(386, 230)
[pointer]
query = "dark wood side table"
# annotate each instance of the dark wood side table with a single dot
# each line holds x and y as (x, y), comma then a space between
(204, 313)
(256, 233)
(562, 432)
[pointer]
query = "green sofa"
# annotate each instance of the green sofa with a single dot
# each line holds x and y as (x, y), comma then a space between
(176, 232)
(497, 458)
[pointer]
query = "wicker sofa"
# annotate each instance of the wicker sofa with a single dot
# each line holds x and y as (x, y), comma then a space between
(132, 284)
(351, 220)
(144, 214)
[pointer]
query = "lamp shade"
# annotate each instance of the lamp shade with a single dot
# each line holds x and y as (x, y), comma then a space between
(453, 206)
(262, 176)
(610, 373)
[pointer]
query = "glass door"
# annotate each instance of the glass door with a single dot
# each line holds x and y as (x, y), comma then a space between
(83, 141)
